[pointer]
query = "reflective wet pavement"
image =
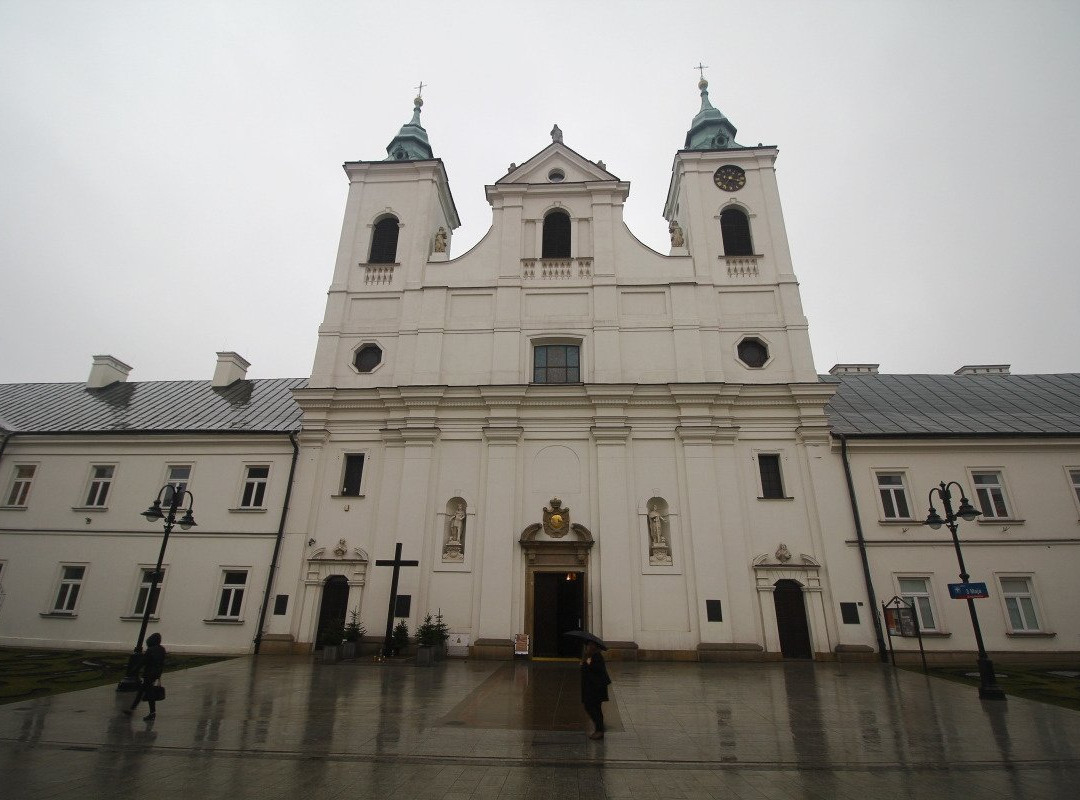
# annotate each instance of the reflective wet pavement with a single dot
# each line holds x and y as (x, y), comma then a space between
(289, 727)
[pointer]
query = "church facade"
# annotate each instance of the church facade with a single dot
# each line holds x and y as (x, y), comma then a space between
(563, 428)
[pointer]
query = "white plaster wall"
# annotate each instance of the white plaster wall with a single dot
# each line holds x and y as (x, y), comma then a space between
(1043, 543)
(116, 543)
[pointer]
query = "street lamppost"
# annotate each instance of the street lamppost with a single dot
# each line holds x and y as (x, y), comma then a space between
(988, 688)
(172, 500)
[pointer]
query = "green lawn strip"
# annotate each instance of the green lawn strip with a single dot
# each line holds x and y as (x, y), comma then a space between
(26, 673)
(1029, 682)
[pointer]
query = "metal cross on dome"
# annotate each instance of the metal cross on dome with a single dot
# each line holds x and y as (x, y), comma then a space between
(420, 89)
(701, 68)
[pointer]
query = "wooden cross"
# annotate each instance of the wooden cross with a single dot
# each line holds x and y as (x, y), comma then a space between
(420, 89)
(701, 68)
(397, 564)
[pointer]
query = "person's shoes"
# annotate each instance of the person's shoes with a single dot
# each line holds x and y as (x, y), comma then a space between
(597, 735)
(128, 711)
(152, 716)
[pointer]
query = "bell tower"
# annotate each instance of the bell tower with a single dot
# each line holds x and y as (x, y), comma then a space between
(725, 203)
(399, 216)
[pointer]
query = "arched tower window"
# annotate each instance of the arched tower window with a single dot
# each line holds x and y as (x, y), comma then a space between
(384, 241)
(735, 228)
(556, 235)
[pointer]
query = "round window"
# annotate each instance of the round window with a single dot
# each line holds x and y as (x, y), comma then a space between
(556, 176)
(753, 352)
(368, 357)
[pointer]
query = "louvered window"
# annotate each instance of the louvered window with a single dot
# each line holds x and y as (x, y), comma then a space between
(735, 228)
(384, 241)
(556, 235)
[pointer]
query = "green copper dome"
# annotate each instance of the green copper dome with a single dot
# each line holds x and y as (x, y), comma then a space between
(411, 142)
(710, 130)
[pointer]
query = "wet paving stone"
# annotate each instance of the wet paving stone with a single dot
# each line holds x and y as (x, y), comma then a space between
(290, 727)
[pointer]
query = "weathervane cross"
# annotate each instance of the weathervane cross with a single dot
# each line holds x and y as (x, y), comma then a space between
(420, 89)
(701, 68)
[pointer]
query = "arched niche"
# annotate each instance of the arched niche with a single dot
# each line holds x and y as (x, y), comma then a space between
(455, 530)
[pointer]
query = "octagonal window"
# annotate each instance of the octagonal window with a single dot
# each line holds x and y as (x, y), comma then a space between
(367, 358)
(753, 352)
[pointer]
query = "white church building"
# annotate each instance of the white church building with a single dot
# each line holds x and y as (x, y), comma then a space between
(565, 429)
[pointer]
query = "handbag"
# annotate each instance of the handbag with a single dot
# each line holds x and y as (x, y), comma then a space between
(156, 693)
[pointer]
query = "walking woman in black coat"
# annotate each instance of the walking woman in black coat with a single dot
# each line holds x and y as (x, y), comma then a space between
(153, 664)
(594, 683)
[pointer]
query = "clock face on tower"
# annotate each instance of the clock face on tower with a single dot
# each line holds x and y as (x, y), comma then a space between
(730, 178)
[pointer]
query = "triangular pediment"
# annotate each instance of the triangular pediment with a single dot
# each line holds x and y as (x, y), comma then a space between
(557, 156)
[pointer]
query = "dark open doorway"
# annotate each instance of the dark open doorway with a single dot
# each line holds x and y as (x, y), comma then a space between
(558, 607)
(791, 620)
(335, 602)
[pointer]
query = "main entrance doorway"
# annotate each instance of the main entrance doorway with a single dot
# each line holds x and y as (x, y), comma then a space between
(791, 619)
(558, 607)
(335, 602)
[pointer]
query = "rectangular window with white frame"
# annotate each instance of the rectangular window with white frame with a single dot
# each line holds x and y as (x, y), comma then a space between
(19, 492)
(772, 481)
(892, 493)
(231, 592)
(1074, 479)
(254, 491)
(556, 363)
(916, 591)
(1018, 594)
(178, 476)
(69, 588)
(98, 485)
(143, 595)
(352, 477)
(990, 494)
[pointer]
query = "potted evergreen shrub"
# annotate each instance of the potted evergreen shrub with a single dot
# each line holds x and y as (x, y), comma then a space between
(431, 639)
(330, 639)
(354, 632)
(400, 638)
(443, 631)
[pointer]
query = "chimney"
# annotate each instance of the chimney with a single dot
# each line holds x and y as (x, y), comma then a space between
(983, 369)
(231, 367)
(854, 369)
(105, 371)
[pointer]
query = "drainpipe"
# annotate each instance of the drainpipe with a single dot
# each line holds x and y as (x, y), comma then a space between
(3, 443)
(277, 543)
(862, 550)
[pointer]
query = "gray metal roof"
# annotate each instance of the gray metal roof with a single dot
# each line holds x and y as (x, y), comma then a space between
(263, 405)
(956, 405)
(864, 405)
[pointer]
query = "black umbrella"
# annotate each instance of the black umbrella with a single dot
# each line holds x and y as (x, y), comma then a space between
(588, 637)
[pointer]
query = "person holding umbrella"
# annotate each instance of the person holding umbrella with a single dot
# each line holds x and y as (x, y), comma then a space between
(594, 681)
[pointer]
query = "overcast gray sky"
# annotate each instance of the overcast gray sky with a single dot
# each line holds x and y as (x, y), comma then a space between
(172, 180)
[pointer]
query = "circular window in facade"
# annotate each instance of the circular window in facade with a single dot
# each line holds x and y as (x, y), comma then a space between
(753, 352)
(367, 358)
(556, 176)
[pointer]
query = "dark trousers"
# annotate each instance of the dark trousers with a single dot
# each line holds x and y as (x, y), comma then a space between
(144, 691)
(596, 714)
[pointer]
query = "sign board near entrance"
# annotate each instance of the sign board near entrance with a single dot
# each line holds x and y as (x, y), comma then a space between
(521, 644)
(962, 591)
(900, 621)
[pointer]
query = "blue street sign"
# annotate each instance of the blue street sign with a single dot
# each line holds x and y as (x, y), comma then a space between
(962, 591)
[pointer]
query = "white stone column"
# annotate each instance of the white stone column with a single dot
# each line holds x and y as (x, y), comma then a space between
(615, 531)
(497, 560)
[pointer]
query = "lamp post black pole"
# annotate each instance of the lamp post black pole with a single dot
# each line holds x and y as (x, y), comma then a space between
(173, 500)
(988, 688)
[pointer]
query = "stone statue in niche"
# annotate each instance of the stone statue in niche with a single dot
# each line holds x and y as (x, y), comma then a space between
(440, 240)
(659, 543)
(454, 545)
(675, 230)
